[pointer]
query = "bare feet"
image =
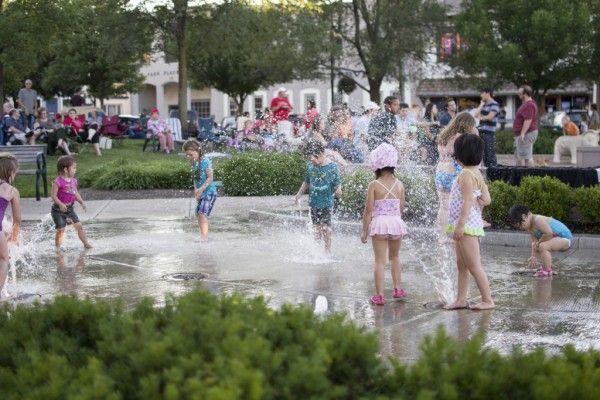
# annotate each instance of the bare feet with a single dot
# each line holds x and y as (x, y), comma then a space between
(486, 224)
(483, 306)
(87, 245)
(457, 305)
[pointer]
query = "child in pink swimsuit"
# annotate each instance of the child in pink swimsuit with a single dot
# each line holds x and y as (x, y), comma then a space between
(64, 195)
(382, 218)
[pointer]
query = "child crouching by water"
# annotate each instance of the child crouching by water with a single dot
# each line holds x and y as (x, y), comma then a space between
(205, 190)
(547, 235)
(322, 179)
(382, 219)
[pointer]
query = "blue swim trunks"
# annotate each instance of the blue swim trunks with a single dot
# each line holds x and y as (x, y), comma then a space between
(205, 205)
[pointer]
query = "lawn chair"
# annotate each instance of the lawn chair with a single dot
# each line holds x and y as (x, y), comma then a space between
(175, 126)
(113, 128)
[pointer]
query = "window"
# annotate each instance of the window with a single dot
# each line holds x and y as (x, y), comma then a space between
(202, 107)
(258, 103)
(309, 97)
(113, 109)
(449, 44)
(232, 107)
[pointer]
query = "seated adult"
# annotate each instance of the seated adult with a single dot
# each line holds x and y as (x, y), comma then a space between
(85, 133)
(157, 127)
(56, 134)
(13, 130)
(569, 127)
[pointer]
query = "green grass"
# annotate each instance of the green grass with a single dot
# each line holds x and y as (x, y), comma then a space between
(130, 149)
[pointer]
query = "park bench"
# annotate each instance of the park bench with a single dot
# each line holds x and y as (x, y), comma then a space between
(32, 161)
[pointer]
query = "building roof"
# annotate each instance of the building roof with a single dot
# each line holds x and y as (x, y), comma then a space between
(462, 87)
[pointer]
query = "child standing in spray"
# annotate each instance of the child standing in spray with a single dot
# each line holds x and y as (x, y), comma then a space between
(322, 179)
(64, 195)
(468, 195)
(205, 190)
(8, 196)
(382, 218)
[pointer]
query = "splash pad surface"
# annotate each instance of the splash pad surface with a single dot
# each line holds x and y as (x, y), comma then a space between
(133, 258)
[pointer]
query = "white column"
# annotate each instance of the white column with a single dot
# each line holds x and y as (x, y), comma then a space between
(189, 98)
(160, 100)
(134, 101)
(595, 93)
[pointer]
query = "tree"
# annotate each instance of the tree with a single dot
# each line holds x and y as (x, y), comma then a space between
(246, 46)
(542, 43)
(26, 28)
(172, 21)
(385, 34)
(103, 49)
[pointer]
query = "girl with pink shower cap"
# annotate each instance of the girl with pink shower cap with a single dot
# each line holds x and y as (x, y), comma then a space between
(382, 219)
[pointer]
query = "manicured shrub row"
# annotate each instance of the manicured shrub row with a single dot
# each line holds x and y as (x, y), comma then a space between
(136, 175)
(202, 347)
(262, 174)
(419, 186)
(543, 145)
(580, 208)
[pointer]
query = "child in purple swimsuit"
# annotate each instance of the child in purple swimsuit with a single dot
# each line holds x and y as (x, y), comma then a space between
(64, 195)
(8, 196)
(382, 218)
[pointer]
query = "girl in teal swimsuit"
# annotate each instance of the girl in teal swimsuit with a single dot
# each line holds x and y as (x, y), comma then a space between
(547, 235)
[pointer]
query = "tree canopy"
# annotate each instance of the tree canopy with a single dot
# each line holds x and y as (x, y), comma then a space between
(542, 43)
(242, 47)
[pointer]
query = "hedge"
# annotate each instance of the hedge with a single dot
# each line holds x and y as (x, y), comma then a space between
(419, 186)
(543, 145)
(136, 175)
(262, 174)
(203, 347)
(579, 208)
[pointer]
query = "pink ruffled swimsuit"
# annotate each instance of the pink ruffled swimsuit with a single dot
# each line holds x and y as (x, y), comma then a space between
(387, 217)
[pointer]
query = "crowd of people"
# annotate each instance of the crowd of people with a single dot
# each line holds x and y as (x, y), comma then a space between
(23, 122)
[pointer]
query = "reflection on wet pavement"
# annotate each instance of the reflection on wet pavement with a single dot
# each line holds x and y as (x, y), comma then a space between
(131, 259)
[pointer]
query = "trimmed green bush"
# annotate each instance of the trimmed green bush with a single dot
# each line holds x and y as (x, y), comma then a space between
(197, 346)
(587, 201)
(505, 142)
(136, 175)
(354, 193)
(504, 196)
(421, 198)
(262, 174)
(546, 196)
(203, 347)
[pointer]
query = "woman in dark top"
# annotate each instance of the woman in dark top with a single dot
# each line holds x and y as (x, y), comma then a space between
(427, 132)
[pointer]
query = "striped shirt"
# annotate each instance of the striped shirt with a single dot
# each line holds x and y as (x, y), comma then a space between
(489, 126)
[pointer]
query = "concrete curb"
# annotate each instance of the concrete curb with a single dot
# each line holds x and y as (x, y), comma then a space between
(491, 238)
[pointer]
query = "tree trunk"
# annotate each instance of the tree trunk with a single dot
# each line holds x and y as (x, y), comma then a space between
(239, 102)
(181, 35)
(374, 89)
(2, 82)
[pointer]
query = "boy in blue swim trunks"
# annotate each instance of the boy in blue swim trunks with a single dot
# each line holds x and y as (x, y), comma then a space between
(322, 179)
(547, 235)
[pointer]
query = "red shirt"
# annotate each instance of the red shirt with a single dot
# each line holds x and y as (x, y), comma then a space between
(76, 123)
(528, 110)
(281, 114)
(310, 117)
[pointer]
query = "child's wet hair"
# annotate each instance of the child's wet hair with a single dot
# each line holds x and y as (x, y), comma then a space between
(468, 149)
(516, 214)
(380, 171)
(193, 145)
(313, 148)
(8, 166)
(63, 163)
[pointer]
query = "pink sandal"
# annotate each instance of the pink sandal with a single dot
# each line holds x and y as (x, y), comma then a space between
(377, 300)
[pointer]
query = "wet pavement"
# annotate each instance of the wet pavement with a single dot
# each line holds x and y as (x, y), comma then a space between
(136, 257)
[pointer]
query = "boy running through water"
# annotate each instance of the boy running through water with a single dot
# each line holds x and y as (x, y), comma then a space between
(322, 179)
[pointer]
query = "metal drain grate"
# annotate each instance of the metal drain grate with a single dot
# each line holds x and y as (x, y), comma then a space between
(186, 276)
